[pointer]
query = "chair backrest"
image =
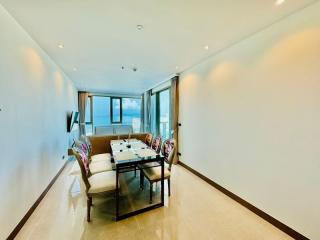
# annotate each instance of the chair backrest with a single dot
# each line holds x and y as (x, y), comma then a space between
(168, 150)
(148, 139)
(156, 144)
(84, 167)
(103, 130)
(83, 146)
(88, 144)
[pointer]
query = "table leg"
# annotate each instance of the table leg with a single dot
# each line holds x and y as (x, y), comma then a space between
(117, 193)
(162, 182)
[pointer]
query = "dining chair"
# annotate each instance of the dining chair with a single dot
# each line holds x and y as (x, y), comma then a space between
(97, 163)
(148, 139)
(84, 140)
(156, 143)
(153, 174)
(96, 184)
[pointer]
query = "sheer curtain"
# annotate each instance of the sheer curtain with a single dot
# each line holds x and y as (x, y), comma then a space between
(175, 113)
(83, 98)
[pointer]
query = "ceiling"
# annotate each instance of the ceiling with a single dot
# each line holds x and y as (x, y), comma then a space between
(100, 37)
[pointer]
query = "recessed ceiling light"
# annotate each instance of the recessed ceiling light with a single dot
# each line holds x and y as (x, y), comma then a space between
(60, 45)
(177, 67)
(279, 2)
(75, 69)
(206, 47)
(139, 27)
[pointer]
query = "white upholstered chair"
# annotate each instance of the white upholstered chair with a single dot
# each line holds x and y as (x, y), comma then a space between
(96, 184)
(97, 163)
(153, 174)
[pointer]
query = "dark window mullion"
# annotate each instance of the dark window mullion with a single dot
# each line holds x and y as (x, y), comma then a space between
(111, 110)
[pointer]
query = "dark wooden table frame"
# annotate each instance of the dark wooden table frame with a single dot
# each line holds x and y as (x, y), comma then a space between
(126, 166)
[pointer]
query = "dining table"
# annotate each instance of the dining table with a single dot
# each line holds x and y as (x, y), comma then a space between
(129, 155)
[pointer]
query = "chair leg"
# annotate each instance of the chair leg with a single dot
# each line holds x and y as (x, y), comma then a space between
(135, 172)
(141, 180)
(89, 203)
(169, 187)
(151, 186)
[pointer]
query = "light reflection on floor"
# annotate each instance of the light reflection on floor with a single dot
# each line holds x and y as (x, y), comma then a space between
(194, 211)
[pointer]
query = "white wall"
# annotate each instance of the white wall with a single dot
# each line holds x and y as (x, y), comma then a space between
(35, 96)
(251, 120)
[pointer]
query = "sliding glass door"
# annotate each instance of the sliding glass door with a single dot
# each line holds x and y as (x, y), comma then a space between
(164, 114)
(154, 125)
(160, 113)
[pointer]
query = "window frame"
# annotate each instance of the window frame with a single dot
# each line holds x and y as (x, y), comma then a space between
(111, 96)
(111, 110)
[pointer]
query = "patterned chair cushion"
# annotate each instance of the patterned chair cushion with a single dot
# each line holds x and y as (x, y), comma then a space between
(84, 159)
(88, 144)
(167, 148)
(81, 146)
(156, 144)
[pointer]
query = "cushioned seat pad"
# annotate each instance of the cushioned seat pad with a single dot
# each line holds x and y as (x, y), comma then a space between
(101, 157)
(102, 182)
(155, 173)
(101, 166)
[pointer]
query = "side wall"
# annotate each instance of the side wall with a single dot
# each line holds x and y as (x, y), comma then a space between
(251, 120)
(35, 97)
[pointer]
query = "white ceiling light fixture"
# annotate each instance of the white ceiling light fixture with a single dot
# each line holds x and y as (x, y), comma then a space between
(206, 47)
(75, 69)
(60, 45)
(140, 27)
(280, 2)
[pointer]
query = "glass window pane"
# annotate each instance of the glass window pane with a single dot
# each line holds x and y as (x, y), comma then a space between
(116, 102)
(131, 113)
(164, 127)
(101, 111)
(88, 110)
(88, 129)
(153, 115)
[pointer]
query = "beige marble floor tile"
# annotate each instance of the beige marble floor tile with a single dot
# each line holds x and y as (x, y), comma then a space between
(194, 211)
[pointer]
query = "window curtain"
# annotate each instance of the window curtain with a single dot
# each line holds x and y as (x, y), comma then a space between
(142, 114)
(147, 111)
(175, 114)
(82, 103)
